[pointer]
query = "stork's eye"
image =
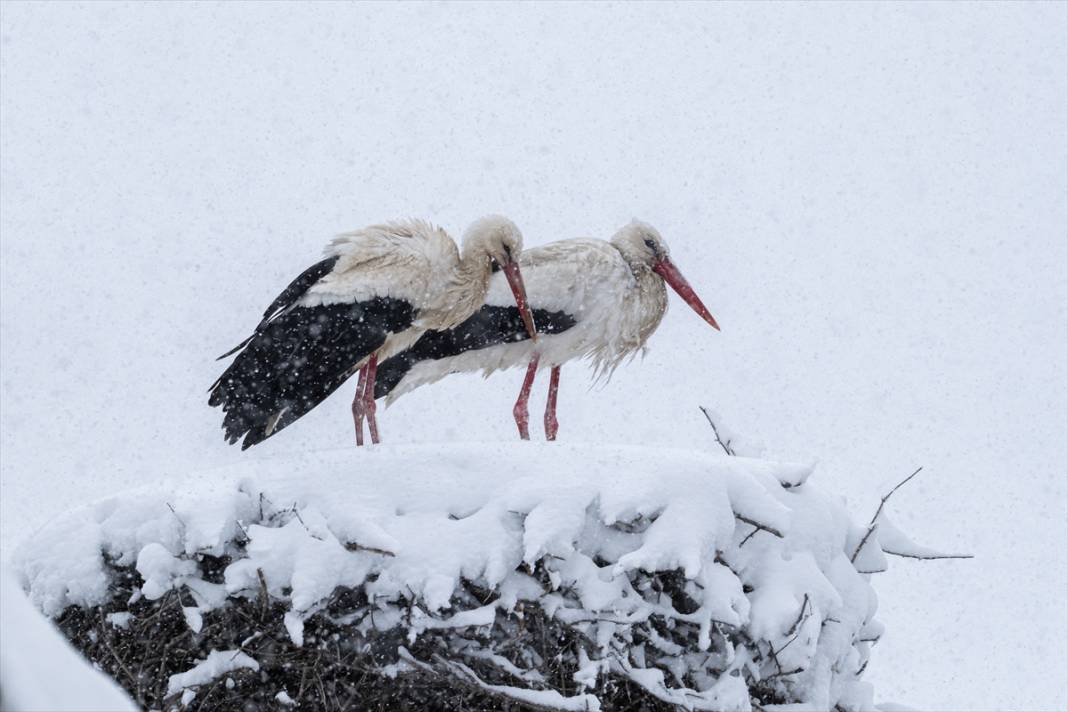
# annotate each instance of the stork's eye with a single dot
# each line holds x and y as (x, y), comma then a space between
(650, 244)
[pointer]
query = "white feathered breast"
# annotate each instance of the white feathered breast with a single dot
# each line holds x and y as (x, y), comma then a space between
(616, 308)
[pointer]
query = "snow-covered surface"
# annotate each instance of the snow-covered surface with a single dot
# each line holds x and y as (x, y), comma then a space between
(403, 521)
(871, 198)
(211, 668)
(39, 671)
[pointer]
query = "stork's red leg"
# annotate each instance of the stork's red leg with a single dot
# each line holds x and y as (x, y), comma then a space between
(551, 424)
(369, 397)
(357, 406)
(522, 416)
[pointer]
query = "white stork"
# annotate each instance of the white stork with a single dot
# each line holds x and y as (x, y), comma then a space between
(377, 290)
(590, 299)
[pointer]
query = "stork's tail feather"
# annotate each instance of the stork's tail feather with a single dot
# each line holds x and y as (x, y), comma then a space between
(295, 361)
(237, 348)
(489, 326)
(289, 296)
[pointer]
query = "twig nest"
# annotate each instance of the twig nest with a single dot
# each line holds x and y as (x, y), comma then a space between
(556, 577)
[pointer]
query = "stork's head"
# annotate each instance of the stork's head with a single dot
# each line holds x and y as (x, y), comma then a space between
(643, 248)
(496, 237)
(498, 240)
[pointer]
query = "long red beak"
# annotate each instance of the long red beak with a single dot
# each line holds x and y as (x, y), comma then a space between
(515, 281)
(666, 269)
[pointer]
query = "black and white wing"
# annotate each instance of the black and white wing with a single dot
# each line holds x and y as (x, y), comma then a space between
(300, 353)
(490, 326)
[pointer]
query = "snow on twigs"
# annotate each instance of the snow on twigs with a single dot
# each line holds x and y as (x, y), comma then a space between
(217, 664)
(554, 576)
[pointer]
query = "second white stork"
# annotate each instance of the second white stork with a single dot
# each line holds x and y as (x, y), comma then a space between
(590, 299)
(377, 290)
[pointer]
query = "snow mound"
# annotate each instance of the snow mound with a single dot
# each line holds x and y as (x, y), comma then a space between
(38, 669)
(697, 580)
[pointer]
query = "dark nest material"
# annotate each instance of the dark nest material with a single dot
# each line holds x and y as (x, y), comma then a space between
(343, 667)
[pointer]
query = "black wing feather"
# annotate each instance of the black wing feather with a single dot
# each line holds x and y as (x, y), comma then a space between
(289, 297)
(489, 326)
(298, 358)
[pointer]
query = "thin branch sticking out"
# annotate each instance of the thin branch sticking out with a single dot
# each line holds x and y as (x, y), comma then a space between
(758, 525)
(888, 494)
(353, 546)
(749, 536)
(795, 629)
(800, 617)
(863, 541)
(872, 526)
(170, 507)
(882, 503)
(928, 557)
(725, 445)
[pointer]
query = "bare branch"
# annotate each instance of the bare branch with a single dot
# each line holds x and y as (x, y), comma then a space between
(888, 494)
(175, 515)
(715, 431)
(800, 617)
(758, 525)
(748, 536)
(863, 541)
(795, 629)
(114, 654)
(353, 546)
(928, 557)
(882, 503)
(784, 672)
(299, 518)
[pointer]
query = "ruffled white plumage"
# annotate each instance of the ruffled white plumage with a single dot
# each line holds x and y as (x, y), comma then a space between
(617, 303)
(405, 259)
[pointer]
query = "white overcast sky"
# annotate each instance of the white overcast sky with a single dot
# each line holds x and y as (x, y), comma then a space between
(871, 199)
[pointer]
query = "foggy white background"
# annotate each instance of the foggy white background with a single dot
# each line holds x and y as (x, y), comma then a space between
(871, 199)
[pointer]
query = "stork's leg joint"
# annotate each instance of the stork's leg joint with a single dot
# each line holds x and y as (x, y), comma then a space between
(358, 406)
(522, 419)
(369, 397)
(552, 425)
(522, 415)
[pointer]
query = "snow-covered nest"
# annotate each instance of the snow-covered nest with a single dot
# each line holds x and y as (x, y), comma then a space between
(558, 576)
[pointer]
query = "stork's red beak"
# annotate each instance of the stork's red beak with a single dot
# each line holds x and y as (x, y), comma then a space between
(667, 269)
(515, 281)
